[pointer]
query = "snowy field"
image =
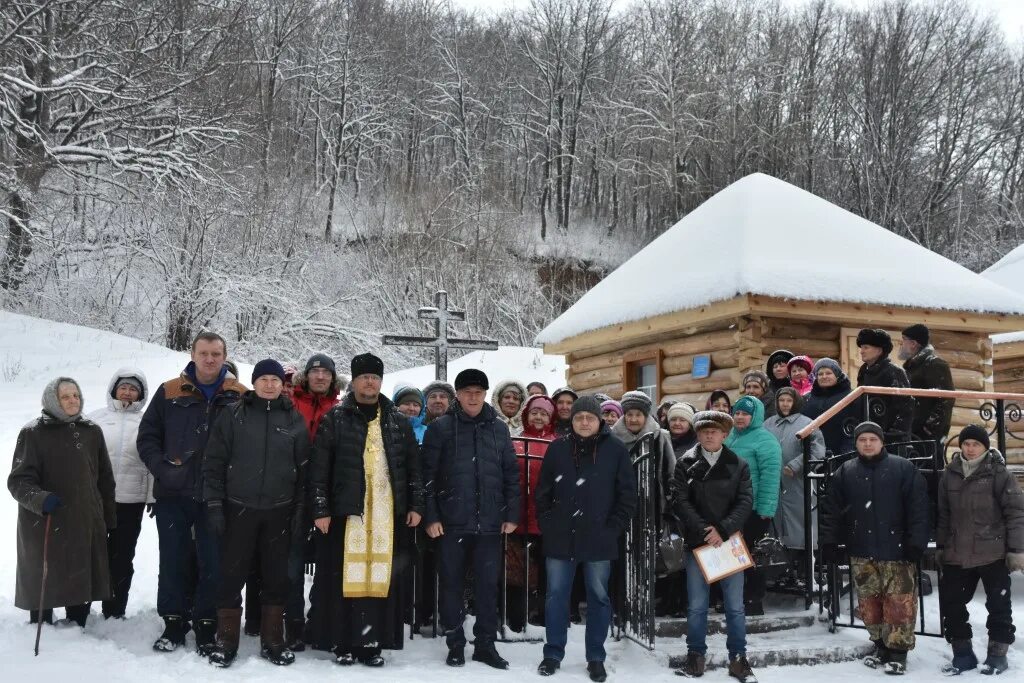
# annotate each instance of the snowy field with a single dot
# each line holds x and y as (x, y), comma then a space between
(34, 351)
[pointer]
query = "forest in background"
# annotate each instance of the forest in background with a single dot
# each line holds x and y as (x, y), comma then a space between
(301, 175)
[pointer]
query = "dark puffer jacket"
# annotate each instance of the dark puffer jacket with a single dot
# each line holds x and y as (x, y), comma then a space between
(586, 497)
(981, 517)
(932, 416)
(257, 455)
(337, 479)
(471, 473)
(876, 507)
(837, 438)
(894, 414)
(719, 496)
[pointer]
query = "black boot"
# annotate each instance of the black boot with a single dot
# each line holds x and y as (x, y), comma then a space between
(964, 658)
(548, 666)
(995, 662)
(488, 654)
(879, 658)
(456, 656)
(206, 636)
(173, 636)
(293, 632)
(597, 672)
(897, 664)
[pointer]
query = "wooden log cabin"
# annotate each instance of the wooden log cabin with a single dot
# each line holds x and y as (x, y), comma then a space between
(764, 265)
(1008, 348)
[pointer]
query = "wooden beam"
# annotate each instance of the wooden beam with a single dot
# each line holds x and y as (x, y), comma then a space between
(628, 334)
(1008, 350)
(885, 316)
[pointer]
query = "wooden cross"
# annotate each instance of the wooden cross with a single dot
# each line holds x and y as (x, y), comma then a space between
(441, 342)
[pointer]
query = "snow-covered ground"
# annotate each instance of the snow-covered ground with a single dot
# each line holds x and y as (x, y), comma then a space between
(33, 351)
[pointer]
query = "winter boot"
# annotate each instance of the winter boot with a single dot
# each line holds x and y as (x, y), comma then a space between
(739, 668)
(693, 667)
(995, 663)
(229, 623)
(548, 666)
(272, 645)
(206, 636)
(488, 654)
(293, 631)
(897, 664)
(597, 672)
(173, 636)
(456, 656)
(963, 658)
(878, 658)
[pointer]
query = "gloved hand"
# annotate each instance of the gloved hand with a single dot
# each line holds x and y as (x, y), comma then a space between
(51, 503)
(1015, 562)
(911, 553)
(215, 521)
(830, 554)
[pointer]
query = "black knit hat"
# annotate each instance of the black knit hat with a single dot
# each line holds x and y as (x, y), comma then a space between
(367, 364)
(268, 366)
(975, 432)
(320, 360)
(869, 428)
(879, 338)
(918, 333)
(587, 404)
(471, 377)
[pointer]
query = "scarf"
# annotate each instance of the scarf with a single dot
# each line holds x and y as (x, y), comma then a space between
(369, 539)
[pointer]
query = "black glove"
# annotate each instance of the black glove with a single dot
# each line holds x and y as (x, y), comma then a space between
(215, 522)
(830, 554)
(911, 553)
(51, 503)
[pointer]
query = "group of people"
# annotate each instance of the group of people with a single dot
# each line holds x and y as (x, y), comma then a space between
(244, 482)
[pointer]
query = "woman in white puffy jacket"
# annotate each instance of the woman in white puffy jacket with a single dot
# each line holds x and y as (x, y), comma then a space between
(126, 396)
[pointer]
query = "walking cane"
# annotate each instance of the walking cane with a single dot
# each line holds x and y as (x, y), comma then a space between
(42, 587)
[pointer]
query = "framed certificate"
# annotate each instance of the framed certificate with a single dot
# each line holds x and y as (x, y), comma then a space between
(732, 557)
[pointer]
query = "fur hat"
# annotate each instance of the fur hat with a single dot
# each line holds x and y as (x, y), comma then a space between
(869, 428)
(879, 338)
(367, 364)
(268, 366)
(712, 418)
(683, 410)
(438, 385)
(51, 403)
(918, 333)
(832, 365)
(756, 376)
(803, 361)
(611, 405)
(636, 400)
(471, 377)
(586, 404)
(976, 433)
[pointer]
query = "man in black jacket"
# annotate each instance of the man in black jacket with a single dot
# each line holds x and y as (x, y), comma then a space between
(925, 370)
(894, 414)
(585, 499)
(713, 498)
(254, 486)
(472, 497)
(877, 506)
(366, 488)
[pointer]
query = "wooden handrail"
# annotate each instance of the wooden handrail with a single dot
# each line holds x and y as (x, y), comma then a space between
(901, 391)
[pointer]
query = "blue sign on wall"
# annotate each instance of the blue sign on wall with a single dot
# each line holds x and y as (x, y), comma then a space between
(701, 366)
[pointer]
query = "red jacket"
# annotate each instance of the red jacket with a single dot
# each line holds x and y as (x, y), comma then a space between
(313, 407)
(538, 449)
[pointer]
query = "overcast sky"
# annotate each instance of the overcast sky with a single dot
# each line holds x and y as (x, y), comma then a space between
(1009, 12)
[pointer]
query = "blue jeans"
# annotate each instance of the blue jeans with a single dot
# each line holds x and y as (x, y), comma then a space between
(698, 592)
(556, 607)
(175, 520)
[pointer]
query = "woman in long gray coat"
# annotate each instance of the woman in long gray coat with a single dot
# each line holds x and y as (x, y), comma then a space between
(61, 469)
(787, 421)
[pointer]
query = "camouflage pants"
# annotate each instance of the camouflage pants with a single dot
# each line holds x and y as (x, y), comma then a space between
(887, 600)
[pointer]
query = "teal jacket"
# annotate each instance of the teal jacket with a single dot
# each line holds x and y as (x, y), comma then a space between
(762, 453)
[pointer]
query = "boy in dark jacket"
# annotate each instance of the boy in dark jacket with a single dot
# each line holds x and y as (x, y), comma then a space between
(472, 498)
(981, 534)
(254, 485)
(713, 498)
(585, 499)
(877, 506)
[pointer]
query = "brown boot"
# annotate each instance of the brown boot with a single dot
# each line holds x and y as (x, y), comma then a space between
(739, 668)
(693, 667)
(229, 625)
(272, 645)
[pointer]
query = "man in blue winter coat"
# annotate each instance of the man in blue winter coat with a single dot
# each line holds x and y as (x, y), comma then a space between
(171, 441)
(472, 497)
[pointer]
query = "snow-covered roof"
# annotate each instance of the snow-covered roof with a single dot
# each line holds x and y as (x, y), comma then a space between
(1008, 272)
(762, 235)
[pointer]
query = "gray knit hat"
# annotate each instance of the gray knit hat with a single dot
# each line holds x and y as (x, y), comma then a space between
(636, 400)
(438, 385)
(869, 427)
(829, 363)
(587, 404)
